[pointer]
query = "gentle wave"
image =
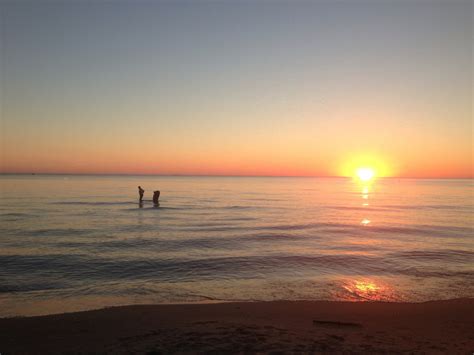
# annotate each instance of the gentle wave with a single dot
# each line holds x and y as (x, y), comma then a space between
(435, 207)
(94, 203)
(456, 256)
(166, 245)
(56, 232)
(17, 214)
(424, 230)
(434, 231)
(79, 266)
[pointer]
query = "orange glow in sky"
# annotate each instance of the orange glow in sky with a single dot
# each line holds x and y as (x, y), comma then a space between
(367, 166)
(185, 90)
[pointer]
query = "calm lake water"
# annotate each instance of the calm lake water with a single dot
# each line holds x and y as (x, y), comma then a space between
(80, 242)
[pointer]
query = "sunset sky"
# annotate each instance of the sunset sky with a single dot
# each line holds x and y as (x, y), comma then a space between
(313, 88)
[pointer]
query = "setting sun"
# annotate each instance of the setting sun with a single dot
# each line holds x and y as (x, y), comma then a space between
(365, 174)
(366, 166)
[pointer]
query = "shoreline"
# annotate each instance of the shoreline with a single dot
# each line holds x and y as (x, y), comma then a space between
(249, 327)
(78, 310)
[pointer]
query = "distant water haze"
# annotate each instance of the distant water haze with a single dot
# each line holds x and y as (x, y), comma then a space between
(81, 242)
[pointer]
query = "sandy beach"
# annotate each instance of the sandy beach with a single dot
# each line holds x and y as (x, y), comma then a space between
(253, 327)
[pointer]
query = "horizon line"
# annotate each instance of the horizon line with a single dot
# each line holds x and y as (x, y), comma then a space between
(230, 175)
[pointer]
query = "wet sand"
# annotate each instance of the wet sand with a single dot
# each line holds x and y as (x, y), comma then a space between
(257, 327)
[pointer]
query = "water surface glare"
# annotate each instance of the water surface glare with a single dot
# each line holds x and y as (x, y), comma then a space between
(79, 242)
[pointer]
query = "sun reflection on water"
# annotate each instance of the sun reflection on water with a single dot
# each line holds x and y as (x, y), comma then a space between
(367, 289)
(365, 222)
(365, 196)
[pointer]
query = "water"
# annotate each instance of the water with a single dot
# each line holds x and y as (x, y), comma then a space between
(79, 242)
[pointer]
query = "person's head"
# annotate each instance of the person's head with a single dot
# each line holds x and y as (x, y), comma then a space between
(139, 187)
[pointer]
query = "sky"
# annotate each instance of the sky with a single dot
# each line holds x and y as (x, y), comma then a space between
(304, 88)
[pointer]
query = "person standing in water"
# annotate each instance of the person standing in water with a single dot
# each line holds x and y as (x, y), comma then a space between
(141, 192)
(156, 196)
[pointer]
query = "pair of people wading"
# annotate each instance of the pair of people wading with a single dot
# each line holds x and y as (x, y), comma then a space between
(156, 195)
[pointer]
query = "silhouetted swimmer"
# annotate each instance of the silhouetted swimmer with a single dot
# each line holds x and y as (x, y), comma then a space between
(141, 192)
(156, 196)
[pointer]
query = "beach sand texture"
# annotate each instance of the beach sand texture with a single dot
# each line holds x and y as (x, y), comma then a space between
(252, 327)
